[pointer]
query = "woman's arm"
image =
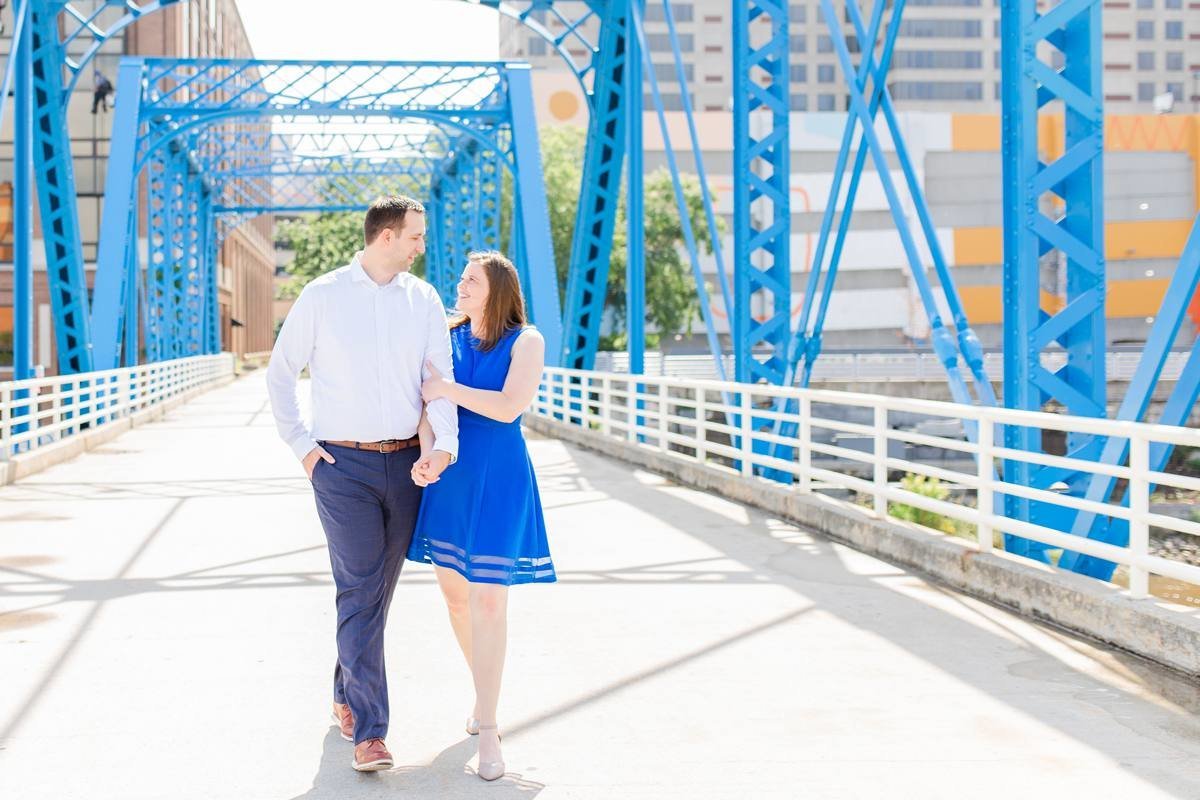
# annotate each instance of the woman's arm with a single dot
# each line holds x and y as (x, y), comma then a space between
(524, 376)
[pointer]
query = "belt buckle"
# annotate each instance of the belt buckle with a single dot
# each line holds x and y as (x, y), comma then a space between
(385, 442)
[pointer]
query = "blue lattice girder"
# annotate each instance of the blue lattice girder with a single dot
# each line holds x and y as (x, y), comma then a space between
(54, 167)
(761, 203)
(1071, 187)
(596, 214)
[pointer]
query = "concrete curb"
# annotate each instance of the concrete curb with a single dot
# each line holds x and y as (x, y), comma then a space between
(25, 464)
(1166, 633)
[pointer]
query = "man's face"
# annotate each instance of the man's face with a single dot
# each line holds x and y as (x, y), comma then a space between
(409, 241)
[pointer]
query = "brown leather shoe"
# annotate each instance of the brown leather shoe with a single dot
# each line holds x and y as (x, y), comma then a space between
(371, 756)
(344, 720)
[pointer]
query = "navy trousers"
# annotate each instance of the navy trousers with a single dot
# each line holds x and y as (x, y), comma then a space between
(368, 506)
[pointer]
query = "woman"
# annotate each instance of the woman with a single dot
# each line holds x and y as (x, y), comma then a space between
(480, 522)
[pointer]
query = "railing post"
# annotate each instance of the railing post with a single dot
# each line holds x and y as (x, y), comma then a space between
(747, 426)
(984, 495)
(805, 433)
(662, 415)
(606, 405)
(881, 451)
(6, 421)
(701, 425)
(630, 409)
(1139, 507)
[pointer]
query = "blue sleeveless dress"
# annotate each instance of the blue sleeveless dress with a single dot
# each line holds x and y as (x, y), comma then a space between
(483, 518)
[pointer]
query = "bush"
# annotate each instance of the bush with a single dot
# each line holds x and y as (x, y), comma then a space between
(926, 487)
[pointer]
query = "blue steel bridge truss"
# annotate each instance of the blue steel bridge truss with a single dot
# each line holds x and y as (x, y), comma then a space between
(207, 134)
(222, 141)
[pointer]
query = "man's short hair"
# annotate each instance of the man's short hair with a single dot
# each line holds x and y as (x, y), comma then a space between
(388, 212)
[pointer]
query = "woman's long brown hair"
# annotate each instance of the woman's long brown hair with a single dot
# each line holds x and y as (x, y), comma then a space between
(505, 306)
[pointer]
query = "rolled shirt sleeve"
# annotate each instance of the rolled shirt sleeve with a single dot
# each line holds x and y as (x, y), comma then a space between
(443, 414)
(291, 354)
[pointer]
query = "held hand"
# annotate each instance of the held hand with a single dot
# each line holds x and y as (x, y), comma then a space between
(310, 460)
(435, 386)
(429, 467)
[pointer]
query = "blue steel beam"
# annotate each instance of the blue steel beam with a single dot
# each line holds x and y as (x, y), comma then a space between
(635, 179)
(109, 299)
(1074, 183)
(761, 176)
(537, 251)
(596, 214)
(22, 221)
(56, 194)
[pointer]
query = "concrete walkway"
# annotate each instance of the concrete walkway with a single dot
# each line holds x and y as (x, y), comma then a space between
(167, 619)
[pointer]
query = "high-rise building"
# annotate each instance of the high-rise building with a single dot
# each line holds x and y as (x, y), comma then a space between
(947, 55)
(196, 29)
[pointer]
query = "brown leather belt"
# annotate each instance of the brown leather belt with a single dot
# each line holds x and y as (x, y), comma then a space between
(386, 446)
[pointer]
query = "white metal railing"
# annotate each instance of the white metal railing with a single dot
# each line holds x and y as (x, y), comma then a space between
(876, 366)
(854, 444)
(39, 411)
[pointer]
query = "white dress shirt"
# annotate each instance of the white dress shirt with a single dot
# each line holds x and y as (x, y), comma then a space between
(365, 346)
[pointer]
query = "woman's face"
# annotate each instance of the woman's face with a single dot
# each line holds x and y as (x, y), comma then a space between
(473, 290)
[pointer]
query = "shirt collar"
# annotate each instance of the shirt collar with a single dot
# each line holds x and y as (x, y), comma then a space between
(359, 274)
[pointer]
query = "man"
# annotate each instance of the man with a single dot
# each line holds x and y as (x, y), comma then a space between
(365, 331)
(101, 88)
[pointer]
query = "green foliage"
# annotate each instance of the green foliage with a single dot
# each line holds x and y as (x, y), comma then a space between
(926, 487)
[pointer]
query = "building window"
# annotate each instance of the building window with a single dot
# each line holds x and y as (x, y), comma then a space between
(824, 44)
(661, 42)
(1174, 30)
(941, 28)
(1176, 89)
(798, 14)
(1175, 61)
(826, 102)
(1145, 3)
(937, 90)
(666, 72)
(957, 3)
(1145, 29)
(798, 102)
(1145, 92)
(537, 46)
(680, 12)
(1173, 4)
(825, 73)
(671, 101)
(798, 44)
(939, 59)
(1145, 61)
(798, 73)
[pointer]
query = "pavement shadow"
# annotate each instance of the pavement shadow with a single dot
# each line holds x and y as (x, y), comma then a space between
(982, 653)
(447, 776)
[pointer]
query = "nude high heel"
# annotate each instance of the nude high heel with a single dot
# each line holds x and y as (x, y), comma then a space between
(489, 770)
